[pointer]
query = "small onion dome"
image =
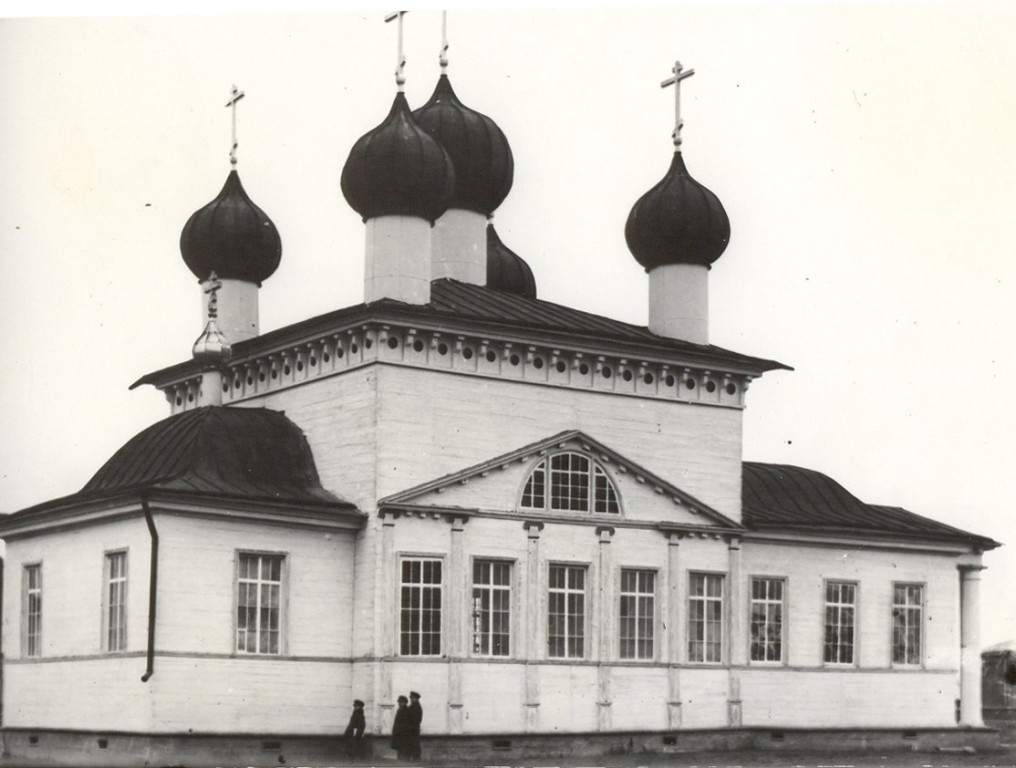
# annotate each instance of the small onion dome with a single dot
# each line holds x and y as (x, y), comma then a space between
(397, 169)
(231, 237)
(212, 347)
(678, 221)
(484, 167)
(506, 270)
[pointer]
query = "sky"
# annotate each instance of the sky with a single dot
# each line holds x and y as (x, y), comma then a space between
(865, 154)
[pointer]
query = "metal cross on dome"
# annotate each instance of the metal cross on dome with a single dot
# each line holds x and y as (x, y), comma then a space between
(443, 57)
(679, 75)
(234, 96)
(214, 284)
(400, 69)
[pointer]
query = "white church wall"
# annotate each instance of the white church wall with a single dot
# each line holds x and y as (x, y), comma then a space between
(432, 424)
(640, 695)
(197, 596)
(493, 696)
(704, 696)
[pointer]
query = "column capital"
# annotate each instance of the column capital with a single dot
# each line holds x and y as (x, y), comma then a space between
(533, 528)
(604, 533)
(388, 516)
(970, 570)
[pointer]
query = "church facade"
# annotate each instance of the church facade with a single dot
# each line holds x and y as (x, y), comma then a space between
(537, 517)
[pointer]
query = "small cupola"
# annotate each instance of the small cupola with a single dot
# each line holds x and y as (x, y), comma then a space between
(677, 230)
(484, 170)
(506, 270)
(234, 240)
(400, 180)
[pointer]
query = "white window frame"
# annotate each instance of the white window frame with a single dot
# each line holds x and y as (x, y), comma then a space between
(422, 589)
(543, 497)
(259, 582)
(701, 604)
(767, 602)
(908, 608)
(482, 642)
(31, 620)
(643, 619)
(840, 605)
(575, 625)
(114, 596)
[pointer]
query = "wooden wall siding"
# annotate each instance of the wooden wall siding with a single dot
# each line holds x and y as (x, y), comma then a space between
(704, 698)
(568, 698)
(86, 694)
(806, 570)
(73, 583)
(197, 575)
(432, 424)
(251, 695)
(493, 695)
(844, 699)
(639, 698)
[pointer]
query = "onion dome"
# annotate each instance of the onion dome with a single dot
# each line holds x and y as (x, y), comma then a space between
(506, 270)
(212, 347)
(397, 169)
(678, 221)
(484, 167)
(231, 237)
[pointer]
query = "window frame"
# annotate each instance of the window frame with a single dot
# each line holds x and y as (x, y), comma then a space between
(596, 469)
(691, 598)
(26, 611)
(783, 602)
(404, 557)
(586, 571)
(107, 605)
(654, 645)
(512, 608)
(282, 650)
(922, 625)
(856, 635)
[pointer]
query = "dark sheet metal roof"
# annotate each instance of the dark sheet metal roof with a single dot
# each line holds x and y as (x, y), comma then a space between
(473, 308)
(781, 497)
(252, 454)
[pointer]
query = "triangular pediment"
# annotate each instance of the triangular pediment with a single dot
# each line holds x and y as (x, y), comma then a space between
(501, 485)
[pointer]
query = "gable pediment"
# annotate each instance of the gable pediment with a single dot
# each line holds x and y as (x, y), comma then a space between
(505, 485)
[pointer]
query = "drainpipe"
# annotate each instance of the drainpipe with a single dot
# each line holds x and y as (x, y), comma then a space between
(153, 585)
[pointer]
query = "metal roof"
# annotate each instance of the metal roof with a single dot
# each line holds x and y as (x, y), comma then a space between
(462, 307)
(228, 453)
(781, 496)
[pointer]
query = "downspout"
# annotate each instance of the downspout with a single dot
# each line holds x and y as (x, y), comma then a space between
(153, 585)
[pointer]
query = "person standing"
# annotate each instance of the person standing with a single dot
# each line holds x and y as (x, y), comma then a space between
(402, 730)
(415, 718)
(354, 731)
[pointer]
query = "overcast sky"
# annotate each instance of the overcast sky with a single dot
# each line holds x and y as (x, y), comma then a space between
(866, 156)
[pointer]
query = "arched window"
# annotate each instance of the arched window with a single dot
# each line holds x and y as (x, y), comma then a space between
(570, 482)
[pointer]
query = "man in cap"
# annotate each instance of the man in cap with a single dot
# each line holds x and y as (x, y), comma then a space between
(415, 718)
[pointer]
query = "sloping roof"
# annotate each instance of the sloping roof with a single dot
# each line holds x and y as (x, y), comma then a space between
(463, 307)
(781, 497)
(235, 453)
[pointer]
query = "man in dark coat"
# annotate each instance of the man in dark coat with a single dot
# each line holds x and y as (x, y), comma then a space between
(402, 730)
(415, 718)
(354, 731)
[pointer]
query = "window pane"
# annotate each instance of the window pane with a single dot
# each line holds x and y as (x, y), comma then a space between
(566, 611)
(259, 603)
(420, 606)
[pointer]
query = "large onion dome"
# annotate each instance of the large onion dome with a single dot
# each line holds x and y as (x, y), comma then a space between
(397, 169)
(506, 270)
(678, 221)
(231, 237)
(484, 167)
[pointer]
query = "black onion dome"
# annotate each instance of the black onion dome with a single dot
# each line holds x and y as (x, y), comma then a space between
(231, 237)
(506, 270)
(678, 221)
(397, 169)
(484, 167)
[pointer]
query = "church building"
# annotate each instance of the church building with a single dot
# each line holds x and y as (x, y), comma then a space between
(537, 517)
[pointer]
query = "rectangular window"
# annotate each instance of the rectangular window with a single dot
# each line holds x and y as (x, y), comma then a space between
(908, 620)
(116, 602)
(420, 607)
(492, 598)
(705, 618)
(638, 612)
(32, 610)
(767, 620)
(566, 612)
(259, 603)
(840, 611)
